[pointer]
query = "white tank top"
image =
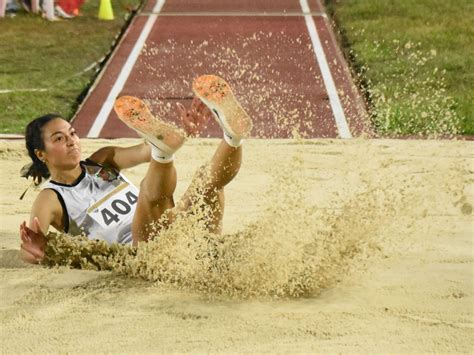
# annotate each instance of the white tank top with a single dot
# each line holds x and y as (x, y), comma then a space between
(100, 204)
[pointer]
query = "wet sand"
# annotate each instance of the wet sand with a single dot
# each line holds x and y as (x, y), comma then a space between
(399, 212)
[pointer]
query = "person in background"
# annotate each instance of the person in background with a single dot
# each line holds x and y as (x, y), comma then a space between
(52, 10)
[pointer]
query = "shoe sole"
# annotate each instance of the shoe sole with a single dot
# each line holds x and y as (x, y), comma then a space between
(136, 115)
(216, 94)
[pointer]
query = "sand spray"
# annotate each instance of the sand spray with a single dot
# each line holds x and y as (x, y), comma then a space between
(294, 249)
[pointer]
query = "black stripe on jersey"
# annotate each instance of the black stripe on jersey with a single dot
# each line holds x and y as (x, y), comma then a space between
(78, 180)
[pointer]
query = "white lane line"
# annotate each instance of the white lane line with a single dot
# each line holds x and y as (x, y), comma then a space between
(11, 136)
(235, 14)
(104, 113)
(334, 101)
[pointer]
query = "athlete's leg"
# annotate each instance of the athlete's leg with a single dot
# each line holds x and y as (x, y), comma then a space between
(224, 165)
(207, 188)
(157, 187)
(206, 192)
(154, 199)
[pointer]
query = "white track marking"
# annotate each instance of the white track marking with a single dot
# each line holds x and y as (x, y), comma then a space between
(334, 101)
(8, 91)
(235, 14)
(104, 113)
(11, 136)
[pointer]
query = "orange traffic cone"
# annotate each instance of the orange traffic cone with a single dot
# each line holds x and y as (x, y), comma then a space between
(105, 10)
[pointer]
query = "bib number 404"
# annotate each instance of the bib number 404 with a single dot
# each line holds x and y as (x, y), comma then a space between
(118, 207)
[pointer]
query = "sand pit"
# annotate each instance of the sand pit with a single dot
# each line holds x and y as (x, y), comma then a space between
(375, 238)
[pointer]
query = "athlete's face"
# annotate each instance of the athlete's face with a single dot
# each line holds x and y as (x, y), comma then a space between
(62, 149)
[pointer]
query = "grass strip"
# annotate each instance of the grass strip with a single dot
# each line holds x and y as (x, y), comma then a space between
(414, 61)
(58, 60)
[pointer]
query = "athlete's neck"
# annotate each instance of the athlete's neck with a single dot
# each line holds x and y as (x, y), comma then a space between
(67, 177)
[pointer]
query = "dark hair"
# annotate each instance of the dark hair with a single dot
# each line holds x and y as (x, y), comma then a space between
(34, 140)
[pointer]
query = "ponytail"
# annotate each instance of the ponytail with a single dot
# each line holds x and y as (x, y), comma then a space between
(37, 170)
(34, 140)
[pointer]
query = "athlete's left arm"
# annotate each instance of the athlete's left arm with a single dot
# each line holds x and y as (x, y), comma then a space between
(122, 158)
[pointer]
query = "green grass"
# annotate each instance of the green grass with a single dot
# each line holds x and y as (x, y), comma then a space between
(36, 53)
(415, 60)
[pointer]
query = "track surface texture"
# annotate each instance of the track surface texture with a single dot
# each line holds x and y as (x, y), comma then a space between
(280, 57)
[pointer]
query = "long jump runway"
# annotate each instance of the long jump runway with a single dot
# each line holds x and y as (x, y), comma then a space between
(280, 56)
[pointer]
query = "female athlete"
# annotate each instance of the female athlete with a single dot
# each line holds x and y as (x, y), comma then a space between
(91, 197)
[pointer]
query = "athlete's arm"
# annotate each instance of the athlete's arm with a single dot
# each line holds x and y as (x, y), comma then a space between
(46, 211)
(122, 158)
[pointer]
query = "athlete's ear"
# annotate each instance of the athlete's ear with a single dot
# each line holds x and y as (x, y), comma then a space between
(40, 155)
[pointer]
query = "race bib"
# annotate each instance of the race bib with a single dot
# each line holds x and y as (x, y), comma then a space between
(115, 206)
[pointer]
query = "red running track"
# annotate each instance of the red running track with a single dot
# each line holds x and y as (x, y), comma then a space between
(265, 49)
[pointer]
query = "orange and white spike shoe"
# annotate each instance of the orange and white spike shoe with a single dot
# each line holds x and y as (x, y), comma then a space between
(216, 93)
(136, 115)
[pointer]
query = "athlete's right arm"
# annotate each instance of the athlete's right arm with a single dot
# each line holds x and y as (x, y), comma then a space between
(46, 211)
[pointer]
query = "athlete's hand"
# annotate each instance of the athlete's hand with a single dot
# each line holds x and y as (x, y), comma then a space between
(194, 119)
(33, 242)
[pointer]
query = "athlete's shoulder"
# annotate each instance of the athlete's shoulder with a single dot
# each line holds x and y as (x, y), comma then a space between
(47, 207)
(46, 194)
(47, 197)
(47, 202)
